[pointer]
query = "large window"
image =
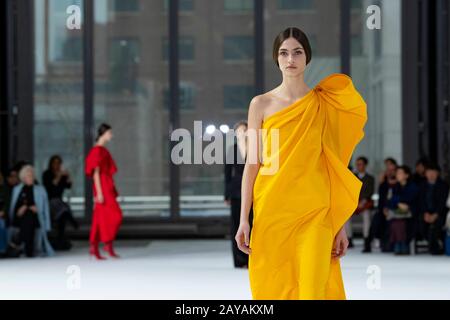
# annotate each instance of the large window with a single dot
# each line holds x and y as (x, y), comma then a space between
(222, 77)
(216, 84)
(130, 94)
(58, 95)
(376, 71)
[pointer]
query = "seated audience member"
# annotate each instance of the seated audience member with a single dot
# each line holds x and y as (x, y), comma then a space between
(29, 215)
(365, 203)
(419, 174)
(432, 209)
(400, 210)
(56, 180)
(379, 227)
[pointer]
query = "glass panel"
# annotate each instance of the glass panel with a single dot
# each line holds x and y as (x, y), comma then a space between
(130, 94)
(356, 45)
(356, 5)
(186, 97)
(238, 5)
(124, 56)
(58, 95)
(324, 38)
(376, 71)
(185, 51)
(238, 47)
(220, 78)
(295, 4)
(237, 96)
(126, 6)
(184, 5)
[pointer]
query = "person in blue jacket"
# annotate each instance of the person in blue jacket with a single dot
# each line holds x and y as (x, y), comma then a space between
(29, 216)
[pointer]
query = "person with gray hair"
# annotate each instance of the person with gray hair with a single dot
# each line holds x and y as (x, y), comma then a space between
(30, 215)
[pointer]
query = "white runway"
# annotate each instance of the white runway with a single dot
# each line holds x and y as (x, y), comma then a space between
(203, 269)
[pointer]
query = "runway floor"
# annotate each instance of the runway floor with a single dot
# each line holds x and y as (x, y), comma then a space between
(203, 269)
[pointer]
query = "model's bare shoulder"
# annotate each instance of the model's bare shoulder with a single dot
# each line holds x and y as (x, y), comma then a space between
(258, 106)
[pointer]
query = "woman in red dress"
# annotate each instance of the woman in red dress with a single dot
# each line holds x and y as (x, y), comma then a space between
(107, 215)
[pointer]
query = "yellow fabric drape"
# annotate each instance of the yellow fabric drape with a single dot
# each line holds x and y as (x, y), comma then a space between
(299, 208)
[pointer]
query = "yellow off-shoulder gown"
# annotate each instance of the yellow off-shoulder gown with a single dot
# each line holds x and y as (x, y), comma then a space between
(304, 193)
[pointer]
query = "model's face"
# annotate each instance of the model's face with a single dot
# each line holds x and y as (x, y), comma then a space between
(108, 135)
(291, 57)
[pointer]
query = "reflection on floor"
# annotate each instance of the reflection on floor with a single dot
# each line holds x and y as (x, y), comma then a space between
(202, 269)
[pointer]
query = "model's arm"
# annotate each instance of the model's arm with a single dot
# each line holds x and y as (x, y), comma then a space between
(97, 184)
(252, 165)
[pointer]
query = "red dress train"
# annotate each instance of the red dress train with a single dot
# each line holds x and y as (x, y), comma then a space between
(107, 216)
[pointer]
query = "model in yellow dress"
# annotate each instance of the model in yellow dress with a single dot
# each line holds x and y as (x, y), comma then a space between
(299, 209)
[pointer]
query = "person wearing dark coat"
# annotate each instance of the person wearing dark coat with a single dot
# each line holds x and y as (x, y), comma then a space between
(400, 210)
(56, 181)
(7, 186)
(419, 174)
(234, 168)
(12, 180)
(365, 202)
(432, 209)
(379, 227)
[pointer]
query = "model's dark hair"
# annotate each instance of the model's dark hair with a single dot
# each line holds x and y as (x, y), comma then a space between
(294, 33)
(102, 129)
(363, 159)
(52, 159)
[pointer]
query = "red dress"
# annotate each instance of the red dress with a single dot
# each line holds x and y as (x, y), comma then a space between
(107, 216)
